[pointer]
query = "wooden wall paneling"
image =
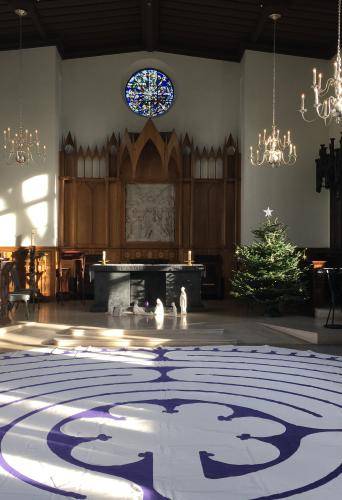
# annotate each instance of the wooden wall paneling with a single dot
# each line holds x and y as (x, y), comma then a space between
(99, 214)
(61, 211)
(107, 212)
(84, 218)
(231, 237)
(201, 215)
(186, 215)
(149, 134)
(73, 212)
(238, 199)
(115, 214)
(215, 210)
(68, 216)
(149, 165)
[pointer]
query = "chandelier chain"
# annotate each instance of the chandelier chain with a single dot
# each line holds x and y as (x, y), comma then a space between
(274, 72)
(339, 29)
(21, 68)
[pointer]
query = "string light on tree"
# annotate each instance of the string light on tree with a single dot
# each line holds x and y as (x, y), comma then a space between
(272, 150)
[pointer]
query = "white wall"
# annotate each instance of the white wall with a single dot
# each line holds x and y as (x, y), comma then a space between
(28, 194)
(213, 98)
(206, 105)
(290, 191)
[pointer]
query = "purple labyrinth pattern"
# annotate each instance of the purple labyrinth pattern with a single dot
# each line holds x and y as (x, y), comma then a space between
(201, 423)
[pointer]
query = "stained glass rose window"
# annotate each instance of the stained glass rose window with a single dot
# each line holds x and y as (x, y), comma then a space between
(149, 92)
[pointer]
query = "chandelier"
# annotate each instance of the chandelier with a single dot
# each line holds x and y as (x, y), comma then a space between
(273, 150)
(328, 107)
(22, 146)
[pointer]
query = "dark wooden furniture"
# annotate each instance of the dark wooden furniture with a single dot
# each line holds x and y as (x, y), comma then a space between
(71, 275)
(329, 176)
(5, 270)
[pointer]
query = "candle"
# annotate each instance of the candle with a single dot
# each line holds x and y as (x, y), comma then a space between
(314, 76)
(33, 233)
(104, 256)
(303, 102)
(189, 256)
(316, 96)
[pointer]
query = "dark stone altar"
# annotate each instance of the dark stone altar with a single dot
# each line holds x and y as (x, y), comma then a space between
(126, 283)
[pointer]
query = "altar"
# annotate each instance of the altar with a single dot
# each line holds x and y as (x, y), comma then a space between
(125, 284)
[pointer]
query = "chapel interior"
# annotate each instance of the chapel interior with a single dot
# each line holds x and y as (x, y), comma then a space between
(170, 249)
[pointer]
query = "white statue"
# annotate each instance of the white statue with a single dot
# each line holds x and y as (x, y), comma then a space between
(174, 309)
(137, 309)
(183, 301)
(159, 310)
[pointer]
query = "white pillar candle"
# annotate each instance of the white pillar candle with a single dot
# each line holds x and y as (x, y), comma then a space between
(316, 97)
(189, 255)
(320, 81)
(303, 102)
(314, 76)
(104, 255)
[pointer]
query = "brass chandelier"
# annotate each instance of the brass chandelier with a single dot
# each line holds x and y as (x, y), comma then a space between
(273, 150)
(22, 146)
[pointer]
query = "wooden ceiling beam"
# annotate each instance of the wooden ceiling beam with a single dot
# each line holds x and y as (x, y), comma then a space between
(150, 24)
(86, 51)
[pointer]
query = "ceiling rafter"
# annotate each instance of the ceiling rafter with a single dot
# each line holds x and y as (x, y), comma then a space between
(217, 29)
(150, 24)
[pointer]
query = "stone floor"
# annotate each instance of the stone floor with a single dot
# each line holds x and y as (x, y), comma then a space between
(219, 323)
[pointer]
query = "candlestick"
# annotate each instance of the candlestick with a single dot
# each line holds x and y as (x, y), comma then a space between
(33, 234)
(189, 261)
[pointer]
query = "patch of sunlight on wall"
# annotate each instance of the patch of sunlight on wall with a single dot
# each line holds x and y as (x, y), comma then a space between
(35, 188)
(3, 205)
(8, 227)
(38, 215)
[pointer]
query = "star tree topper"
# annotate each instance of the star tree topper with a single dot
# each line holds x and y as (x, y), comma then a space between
(268, 212)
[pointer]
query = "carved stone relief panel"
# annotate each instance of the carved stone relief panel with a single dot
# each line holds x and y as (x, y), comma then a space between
(150, 212)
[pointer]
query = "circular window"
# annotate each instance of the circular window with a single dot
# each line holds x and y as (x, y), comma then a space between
(149, 92)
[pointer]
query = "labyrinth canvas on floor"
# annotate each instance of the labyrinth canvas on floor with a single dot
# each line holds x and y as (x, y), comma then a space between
(209, 423)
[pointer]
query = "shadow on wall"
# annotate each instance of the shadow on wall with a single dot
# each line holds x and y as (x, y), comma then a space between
(24, 205)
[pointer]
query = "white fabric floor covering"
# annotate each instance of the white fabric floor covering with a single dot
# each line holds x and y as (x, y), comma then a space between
(202, 423)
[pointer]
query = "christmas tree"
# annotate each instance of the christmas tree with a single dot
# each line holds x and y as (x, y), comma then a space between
(271, 270)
